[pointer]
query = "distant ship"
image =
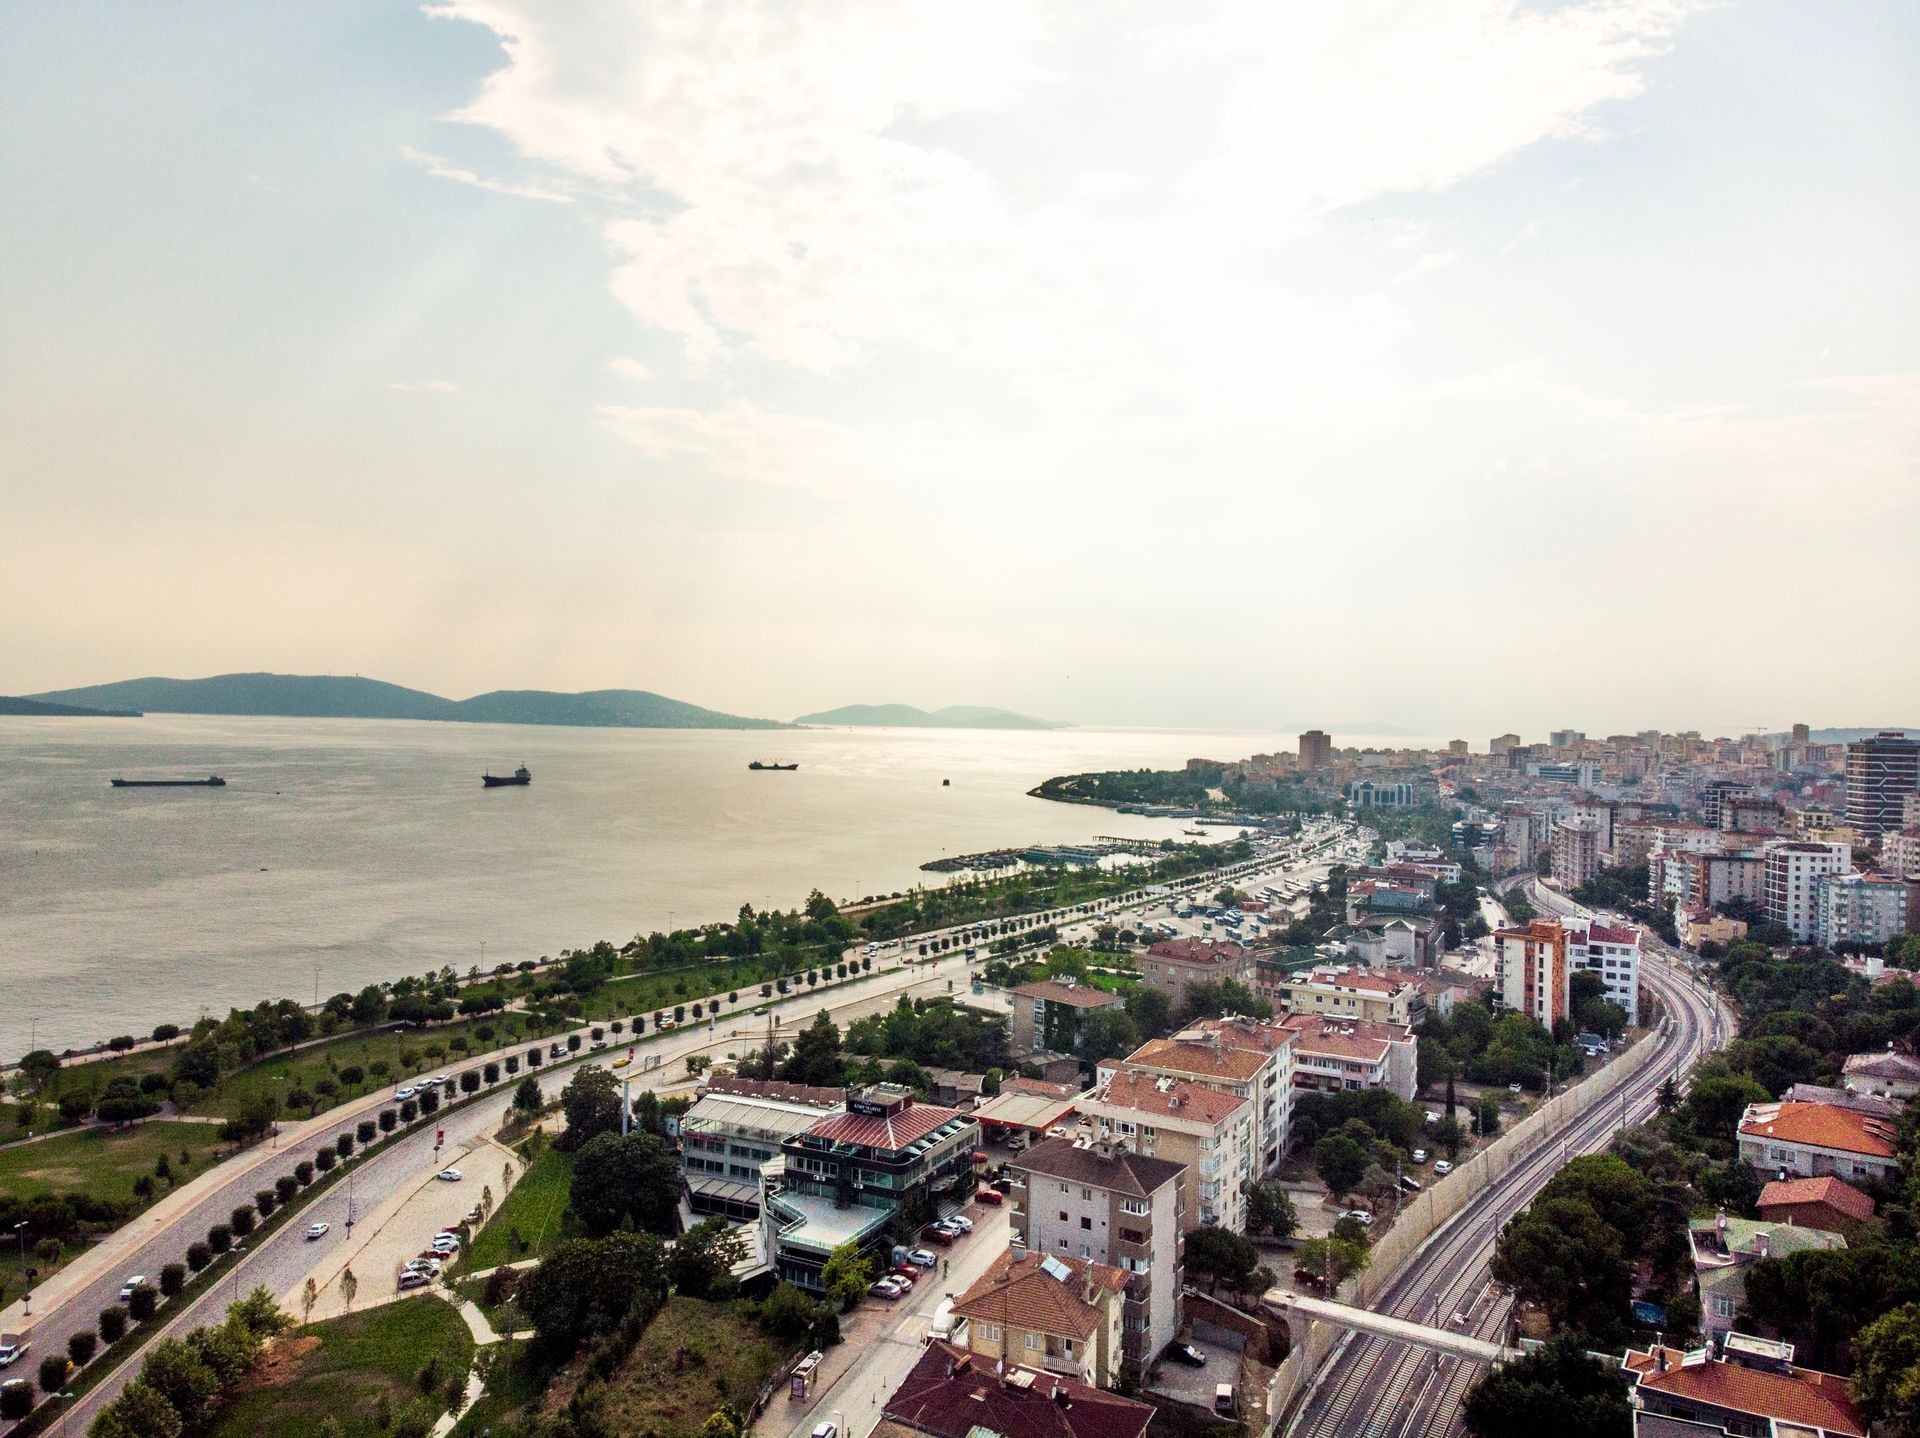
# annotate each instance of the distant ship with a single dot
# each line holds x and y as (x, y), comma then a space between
(212, 781)
(758, 767)
(522, 775)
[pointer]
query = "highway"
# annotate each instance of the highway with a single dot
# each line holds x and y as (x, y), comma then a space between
(1376, 1388)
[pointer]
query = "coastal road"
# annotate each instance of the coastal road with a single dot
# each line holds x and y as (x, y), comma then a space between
(1374, 1388)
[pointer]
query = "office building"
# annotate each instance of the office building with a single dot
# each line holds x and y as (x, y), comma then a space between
(1881, 773)
(1316, 750)
(726, 1138)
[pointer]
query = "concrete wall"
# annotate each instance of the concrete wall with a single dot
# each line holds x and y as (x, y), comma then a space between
(1420, 1219)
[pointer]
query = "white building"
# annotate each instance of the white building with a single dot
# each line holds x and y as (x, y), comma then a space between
(1612, 952)
(1794, 866)
(1332, 1055)
(1858, 909)
(1207, 1131)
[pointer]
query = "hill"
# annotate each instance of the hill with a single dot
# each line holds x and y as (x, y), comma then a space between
(334, 696)
(69, 711)
(906, 716)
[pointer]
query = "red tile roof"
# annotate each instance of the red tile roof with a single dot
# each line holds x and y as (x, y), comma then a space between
(1609, 934)
(892, 1133)
(1818, 1400)
(1837, 1194)
(1346, 1038)
(1023, 1293)
(1199, 951)
(1166, 1097)
(950, 1394)
(1821, 1125)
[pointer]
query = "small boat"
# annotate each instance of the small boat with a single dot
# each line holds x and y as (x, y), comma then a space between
(522, 775)
(759, 768)
(212, 781)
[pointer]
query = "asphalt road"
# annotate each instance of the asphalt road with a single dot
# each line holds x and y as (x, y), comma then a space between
(1376, 1388)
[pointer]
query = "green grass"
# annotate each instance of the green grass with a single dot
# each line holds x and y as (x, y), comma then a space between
(104, 1163)
(513, 1385)
(533, 1208)
(360, 1359)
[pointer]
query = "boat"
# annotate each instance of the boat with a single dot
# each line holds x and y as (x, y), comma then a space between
(759, 768)
(1195, 833)
(212, 781)
(522, 775)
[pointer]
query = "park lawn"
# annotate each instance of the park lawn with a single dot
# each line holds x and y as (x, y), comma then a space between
(105, 1163)
(342, 1368)
(533, 1208)
(513, 1386)
(693, 1358)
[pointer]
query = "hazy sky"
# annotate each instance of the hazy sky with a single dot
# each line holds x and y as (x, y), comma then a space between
(1461, 364)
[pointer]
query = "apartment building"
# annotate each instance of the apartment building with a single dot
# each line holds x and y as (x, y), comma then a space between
(1174, 965)
(1316, 750)
(952, 1393)
(1210, 1132)
(1331, 1055)
(1099, 1200)
(1697, 924)
(1065, 1315)
(1046, 1015)
(1613, 952)
(1249, 1058)
(1576, 851)
(1724, 1249)
(1858, 909)
(1739, 1385)
(1342, 992)
(1900, 851)
(1794, 866)
(1530, 970)
(1881, 772)
(1811, 1140)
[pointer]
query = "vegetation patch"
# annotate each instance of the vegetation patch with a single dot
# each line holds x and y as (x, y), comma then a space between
(529, 1223)
(693, 1360)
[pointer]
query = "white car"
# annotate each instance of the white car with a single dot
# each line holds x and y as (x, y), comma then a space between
(436, 1079)
(826, 1430)
(13, 1350)
(1442, 1167)
(1419, 1155)
(1359, 1216)
(445, 1243)
(1513, 1088)
(428, 1266)
(401, 1093)
(961, 1222)
(317, 1230)
(139, 1280)
(448, 1175)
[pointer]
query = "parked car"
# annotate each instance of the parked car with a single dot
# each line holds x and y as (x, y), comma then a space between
(992, 1197)
(1513, 1088)
(139, 1280)
(448, 1175)
(1186, 1353)
(13, 1347)
(906, 1272)
(401, 1093)
(1419, 1155)
(429, 1266)
(942, 1236)
(1409, 1183)
(826, 1430)
(922, 1258)
(318, 1230)
(961, 1222)
(888, 1288)
(436, 1080)
(1359, 1216)
(1442, 1167)
(413, 1278)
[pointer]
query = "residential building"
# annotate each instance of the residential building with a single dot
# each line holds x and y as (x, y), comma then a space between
(1715, 797)
(1881, 772)
(1065, 1315)
(726, 1138)
(1342, 992)
(1697, 924)
(1502, 743)
(1046, 1015)
(1811, 1140)
(1725, 1248)
(1753, 814)
(1741, 1386)
(1175, 965)
(1793, 867)
(1828, 1203)
(1530, 969)
(1210, 1132)
(1858, 909)
(1883, 1075)
(1713, 879)
(843, 1179)
(1334, 1054)
(1866, 1103)
(1408, 793)
(1576, 851)
(952, 1393)
(1099, 1200)
(1613, 952)
(1250, 1058)
(1566, 738)
(1900, 851)
(1316, 750)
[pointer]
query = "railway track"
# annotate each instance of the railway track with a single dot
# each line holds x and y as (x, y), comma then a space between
(1377, 1388)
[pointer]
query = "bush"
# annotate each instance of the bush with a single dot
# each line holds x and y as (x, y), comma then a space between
(285, 1187)
(142, 1303)
(470, 1082)
(113, 1323)
(120, 1043)
(363, 1132)
(429, 1100)
(16, 1400)
(199, 1255)
(353, 1075)
(325, 1159)
(409, 1111)
(173, 1278)
(266, 1200)
(513, 1063)
(220, 1238)
(241, 1220)
(82, 1346)
(343, 1145)
(573, 1043)
(153, 1083)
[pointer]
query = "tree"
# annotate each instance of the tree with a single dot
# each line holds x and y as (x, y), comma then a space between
(53, 1372)
(113, 1323)
(1669, 1095)
(591, 1101)
(253, 1115)
(1270, 1209)
(1221, 1255)
(1105, 1034)
(1335, 1258)
(1449, 1135)
(1340, 1162)
(309, 1295)
(724, 1422)
(81, 1346)
(628, 1181)
(1151, 1011)
(526, 1096)
(1486, 1115)
(141, 1411)
(349, 1286)
(1557, 1389)
(586, 1286)
(16, 1401)
(1563, 1257)
(1886, 1377)
(815, 1057)
(176, 1373)
(846, 1276)
(242, 1220)
(701, 1257)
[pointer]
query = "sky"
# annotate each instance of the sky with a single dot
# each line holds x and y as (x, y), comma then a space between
(1465, 365)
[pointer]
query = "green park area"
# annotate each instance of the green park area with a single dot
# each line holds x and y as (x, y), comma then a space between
(387, 1370)
(528, 1223)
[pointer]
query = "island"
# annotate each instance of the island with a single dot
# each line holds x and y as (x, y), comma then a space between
(906, 716)
(39, 707)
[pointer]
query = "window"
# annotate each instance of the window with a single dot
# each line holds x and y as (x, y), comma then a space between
(1033, 1341)
(1086, 1195)
(1086, 1223)
(1063, 1216)
(1138, 1207)
(1723, 1308)
(1065, 1188)
(990, 1332)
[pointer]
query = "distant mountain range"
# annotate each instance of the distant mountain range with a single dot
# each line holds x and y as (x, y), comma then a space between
(65, 711)
(334, 696)
(905, 716)
(1847, 736)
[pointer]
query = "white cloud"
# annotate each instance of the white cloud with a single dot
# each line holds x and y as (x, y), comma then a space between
(628, 368)
(446, 170)
(425, 386)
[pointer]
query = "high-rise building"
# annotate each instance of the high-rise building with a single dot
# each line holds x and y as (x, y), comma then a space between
(1316, 750)
(1802, 735)
(1535, 965)
(1713, 800)
(1858, 909)
(1566, 738)
(1881, 772)
(1794, 867)
(1576, 851)
(1501, 743)
(1457, 748)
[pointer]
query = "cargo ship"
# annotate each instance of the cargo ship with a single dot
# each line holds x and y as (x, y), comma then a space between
(212, 781)
(760, 768)
(522, 775)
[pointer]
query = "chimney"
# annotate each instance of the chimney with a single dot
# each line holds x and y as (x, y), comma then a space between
(1761, 1244)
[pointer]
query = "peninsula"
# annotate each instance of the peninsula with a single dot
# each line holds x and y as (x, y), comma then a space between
(11, 706)
(906, 716)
